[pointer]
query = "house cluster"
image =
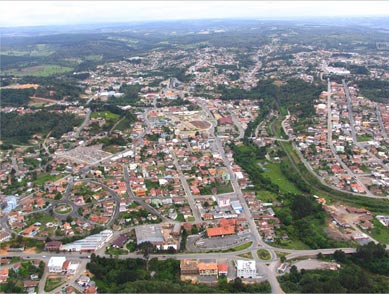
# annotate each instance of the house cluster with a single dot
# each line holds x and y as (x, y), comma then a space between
(362, 157)
(264, 216)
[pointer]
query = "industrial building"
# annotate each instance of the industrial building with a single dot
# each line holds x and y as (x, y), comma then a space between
(90, 243)
(149, 233)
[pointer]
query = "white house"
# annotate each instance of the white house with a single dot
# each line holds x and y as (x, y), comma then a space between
(246, 269)
(55, 264)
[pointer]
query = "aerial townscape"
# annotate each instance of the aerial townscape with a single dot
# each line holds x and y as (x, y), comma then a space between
(195, 156)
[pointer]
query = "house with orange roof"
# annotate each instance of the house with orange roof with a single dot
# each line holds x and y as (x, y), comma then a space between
(4, 275)
(207, 269)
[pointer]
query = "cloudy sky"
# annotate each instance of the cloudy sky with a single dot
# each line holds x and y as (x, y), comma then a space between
(30, 13)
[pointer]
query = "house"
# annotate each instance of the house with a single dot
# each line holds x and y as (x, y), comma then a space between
(3, 275)
(246, 269)
(207, 269)
(119, 242)
(53, 246)
(222, 269)
(189, 267)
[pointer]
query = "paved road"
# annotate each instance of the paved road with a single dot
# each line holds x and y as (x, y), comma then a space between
(384, 134)
(139, 200)
(350, 111)
(188, 193)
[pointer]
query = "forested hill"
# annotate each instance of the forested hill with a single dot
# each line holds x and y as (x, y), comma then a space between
(18, 129)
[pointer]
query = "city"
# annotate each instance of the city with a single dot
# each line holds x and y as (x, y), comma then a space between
(222, 157)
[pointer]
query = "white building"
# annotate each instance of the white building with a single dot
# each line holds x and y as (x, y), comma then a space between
(55, 264)
(90, 243)
(246, 269)
(223, 201)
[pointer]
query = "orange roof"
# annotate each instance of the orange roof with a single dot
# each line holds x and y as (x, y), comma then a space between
(207, 266)
(227, 230)
(223, 267)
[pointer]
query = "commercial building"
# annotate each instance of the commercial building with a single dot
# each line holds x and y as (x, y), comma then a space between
(149, 233)
(56, 263)
(246, 269)
(90, 243)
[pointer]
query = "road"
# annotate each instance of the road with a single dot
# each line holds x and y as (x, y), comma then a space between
(350, 111)
(256, 238)
(379, 117)
(188, 193)
(84, 123)
(139, 200)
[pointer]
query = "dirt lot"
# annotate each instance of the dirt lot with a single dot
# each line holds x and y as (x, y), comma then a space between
(23, 86)
(201, 124)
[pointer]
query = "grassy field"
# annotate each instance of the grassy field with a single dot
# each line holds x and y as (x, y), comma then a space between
(274, 173)
(266, 196)
(364, 138)
(47, 178)
(105, 114)
(292, 244)
(51, 284)
(379, 232)
(39, 70)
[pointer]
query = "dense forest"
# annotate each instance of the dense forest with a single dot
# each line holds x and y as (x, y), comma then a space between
(15, 97)
(366, 271)
(17, 129)
(375, 90)
(133, 276)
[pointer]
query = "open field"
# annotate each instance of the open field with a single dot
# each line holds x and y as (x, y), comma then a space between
(105, 114)
(273, 172)
(39, 70)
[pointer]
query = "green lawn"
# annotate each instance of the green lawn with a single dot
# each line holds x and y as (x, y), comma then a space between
(266, 196)
(263, 254)
(273, 172)
(105, 114)
(292, 244)
(39, 70)
(379, 232)
(240, 247)
(47, 178)
(364, 138)
(51, 284)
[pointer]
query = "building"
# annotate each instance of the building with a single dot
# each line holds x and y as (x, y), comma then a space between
(222, 269)
(53, 246)
(236, 206)
(227, 227)
(56, 263)
(149, 233)
(223, 201)
(208, 269)
(246, 269)
(119, 242)
(11, 202)
(188, 267)
(90, 243)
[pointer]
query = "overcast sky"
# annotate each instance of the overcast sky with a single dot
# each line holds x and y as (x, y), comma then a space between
(31, 13)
